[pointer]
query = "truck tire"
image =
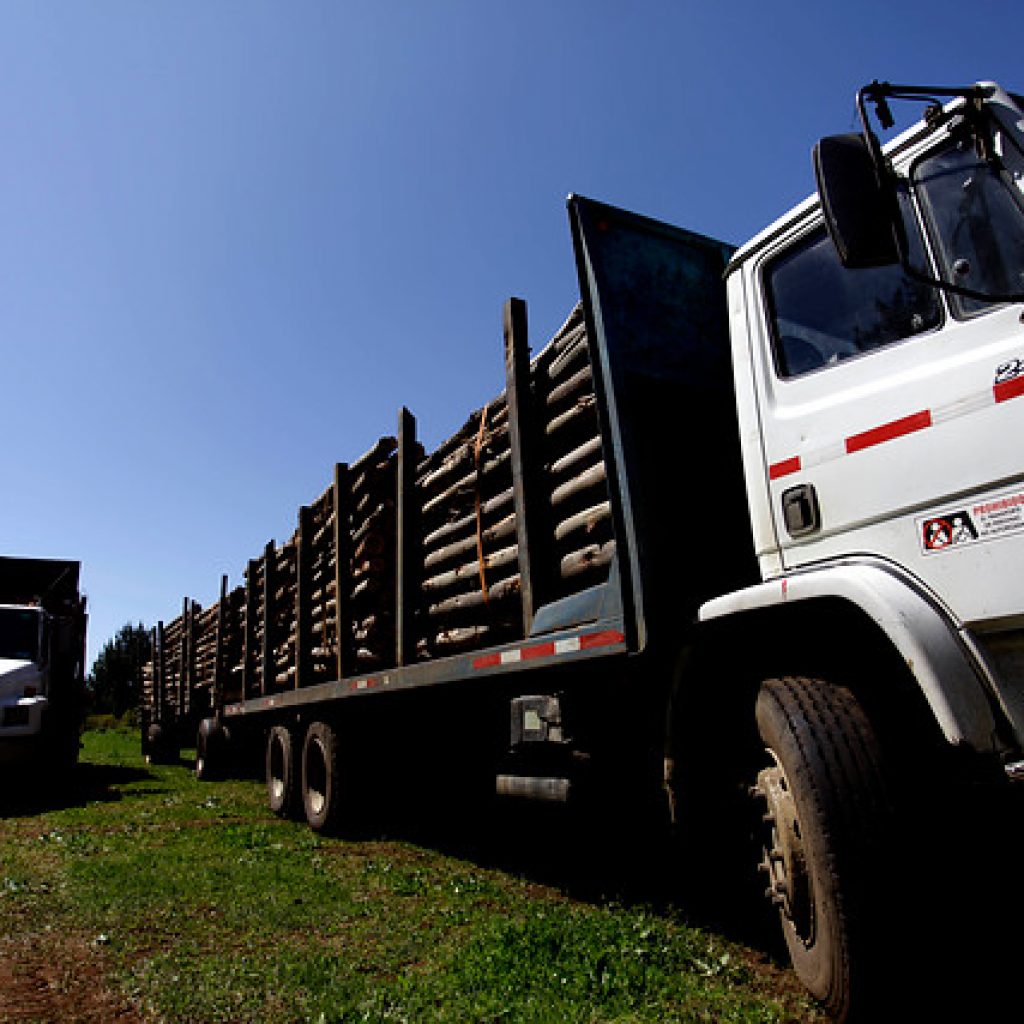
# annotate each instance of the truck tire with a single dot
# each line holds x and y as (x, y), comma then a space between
(161, 749)
(826, 816)
(321, 783)
(282, 771)
(211, 750)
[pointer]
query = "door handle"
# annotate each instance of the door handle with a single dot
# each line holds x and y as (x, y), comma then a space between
(800, 510)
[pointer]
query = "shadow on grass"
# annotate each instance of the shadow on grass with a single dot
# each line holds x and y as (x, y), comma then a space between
(947, 943)
(86, 783)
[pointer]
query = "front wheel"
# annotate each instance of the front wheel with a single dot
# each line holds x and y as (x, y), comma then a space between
(826, 820)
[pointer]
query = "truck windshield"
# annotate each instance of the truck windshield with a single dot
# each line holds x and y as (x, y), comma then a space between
(974, 209)
(19, 633)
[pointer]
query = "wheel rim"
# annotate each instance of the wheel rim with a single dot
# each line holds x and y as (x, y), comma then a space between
(784, 857)
(277, 769)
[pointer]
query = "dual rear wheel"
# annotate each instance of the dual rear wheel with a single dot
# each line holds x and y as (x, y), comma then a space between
(302, 772)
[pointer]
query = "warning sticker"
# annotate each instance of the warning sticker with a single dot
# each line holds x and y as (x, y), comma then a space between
(997, 516)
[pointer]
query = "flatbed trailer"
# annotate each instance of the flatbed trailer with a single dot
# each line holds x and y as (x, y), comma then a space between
(555, 519)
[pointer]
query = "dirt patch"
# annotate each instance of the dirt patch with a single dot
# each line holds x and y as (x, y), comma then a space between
(44, 979)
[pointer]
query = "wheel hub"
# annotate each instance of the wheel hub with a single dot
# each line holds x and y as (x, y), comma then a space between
(785, 860)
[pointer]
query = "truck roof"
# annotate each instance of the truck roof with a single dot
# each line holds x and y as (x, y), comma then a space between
(48, 580)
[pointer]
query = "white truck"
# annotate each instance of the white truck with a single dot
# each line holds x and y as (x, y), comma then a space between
(42, 655)
(793, 575)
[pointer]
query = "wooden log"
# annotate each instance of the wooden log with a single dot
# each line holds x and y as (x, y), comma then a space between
(470, 571)
(498, 505)
(578, 384)
(594, 556)
(582, 412)
(381, 450)
(502, 590)
(466, 485)
(592, 477)
(587, 521)
(571, 463)
(458, 549)
(494, 439)
(496, 412)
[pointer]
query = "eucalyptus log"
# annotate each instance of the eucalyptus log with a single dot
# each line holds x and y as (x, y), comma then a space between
(499, 531)
(383, 448)
(467, 484)
(471, 570)
(579, 383)
(588, 479)
(499, 503)
(582, 412)
(501, 591)
(594, 556)
(588, 520)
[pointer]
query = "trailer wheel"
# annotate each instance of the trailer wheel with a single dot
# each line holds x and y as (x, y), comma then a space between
(321, 790)
(161, 749)
(211, 750)
(826, 814)
(282, 772)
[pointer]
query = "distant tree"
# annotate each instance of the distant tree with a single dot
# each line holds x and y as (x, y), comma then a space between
(115, 681)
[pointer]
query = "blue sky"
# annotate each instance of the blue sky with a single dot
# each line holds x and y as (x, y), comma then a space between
(236, 237)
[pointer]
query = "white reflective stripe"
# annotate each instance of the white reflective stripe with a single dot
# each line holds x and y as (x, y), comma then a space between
(567, 646)
(508, 657)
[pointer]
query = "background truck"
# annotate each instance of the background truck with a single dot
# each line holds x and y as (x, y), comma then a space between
(747, 532)
(42, 657)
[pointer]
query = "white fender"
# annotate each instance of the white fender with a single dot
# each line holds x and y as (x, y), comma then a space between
(925, 639)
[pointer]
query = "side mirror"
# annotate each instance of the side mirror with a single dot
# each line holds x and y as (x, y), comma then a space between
(859, 209)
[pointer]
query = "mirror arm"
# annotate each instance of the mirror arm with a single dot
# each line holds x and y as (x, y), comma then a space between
(879, 93)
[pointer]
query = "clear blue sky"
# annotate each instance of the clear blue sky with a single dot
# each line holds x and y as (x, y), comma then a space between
(236, 236)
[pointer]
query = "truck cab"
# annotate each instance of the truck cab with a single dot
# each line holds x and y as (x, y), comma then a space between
(23, 670)
(878, 411)
(42, 654)
(878, 359)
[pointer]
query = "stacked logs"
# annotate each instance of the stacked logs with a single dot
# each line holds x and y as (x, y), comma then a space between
(470, 582)
(323, 656)
(252, 642)
(580, 517)
(233, 644)
(174, 664)
(465, 556)
(204, 638)
(372, 531)
(280, 621)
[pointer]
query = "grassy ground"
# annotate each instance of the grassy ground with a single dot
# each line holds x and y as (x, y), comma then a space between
(154, 896)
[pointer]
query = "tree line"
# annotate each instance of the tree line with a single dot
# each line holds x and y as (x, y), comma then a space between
(115, 680)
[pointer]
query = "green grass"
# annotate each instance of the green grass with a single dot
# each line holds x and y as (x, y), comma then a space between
(207, 908)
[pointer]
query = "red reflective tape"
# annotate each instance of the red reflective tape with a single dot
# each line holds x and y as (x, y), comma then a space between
(605, 639)
(537, 651)
(784, 468)
(889, 431)
(1008, 389)
(487, 661)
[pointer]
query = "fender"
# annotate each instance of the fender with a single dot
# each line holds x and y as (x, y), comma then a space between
(926, 639)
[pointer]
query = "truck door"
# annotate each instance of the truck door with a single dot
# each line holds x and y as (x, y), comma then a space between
(890, 411)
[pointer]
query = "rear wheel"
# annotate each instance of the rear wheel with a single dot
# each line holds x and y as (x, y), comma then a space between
(282, 772)
(826, 819)
(211, 750)
(321, 785)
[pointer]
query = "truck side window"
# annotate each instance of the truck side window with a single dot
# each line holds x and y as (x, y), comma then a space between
(974, 212)
(822, 313)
